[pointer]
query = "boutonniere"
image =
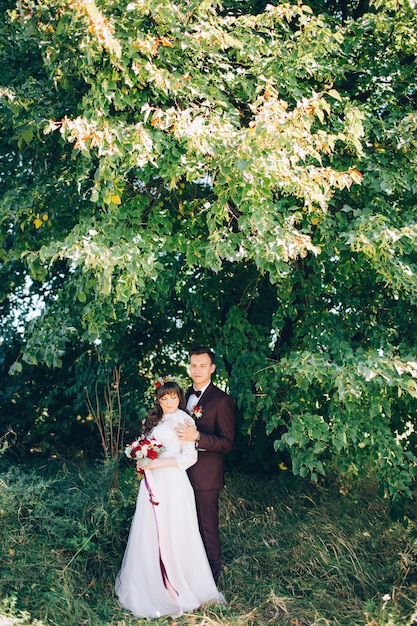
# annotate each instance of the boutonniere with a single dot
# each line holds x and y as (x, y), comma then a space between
(197, 412)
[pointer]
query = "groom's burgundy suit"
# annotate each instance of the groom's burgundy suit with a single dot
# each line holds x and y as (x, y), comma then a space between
(217, 432)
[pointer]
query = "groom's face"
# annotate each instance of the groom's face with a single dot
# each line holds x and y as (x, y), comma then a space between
(201, 369)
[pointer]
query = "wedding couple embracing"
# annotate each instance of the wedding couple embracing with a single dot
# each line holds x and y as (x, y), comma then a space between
(173, 559)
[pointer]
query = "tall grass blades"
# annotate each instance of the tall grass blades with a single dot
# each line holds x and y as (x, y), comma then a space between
(295, 554)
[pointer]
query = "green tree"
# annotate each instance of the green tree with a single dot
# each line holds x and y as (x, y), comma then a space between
(246, 175)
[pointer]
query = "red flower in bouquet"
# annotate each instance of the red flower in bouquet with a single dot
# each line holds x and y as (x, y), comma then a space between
(144, 450)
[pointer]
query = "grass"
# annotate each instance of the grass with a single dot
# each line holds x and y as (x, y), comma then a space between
(295, 554)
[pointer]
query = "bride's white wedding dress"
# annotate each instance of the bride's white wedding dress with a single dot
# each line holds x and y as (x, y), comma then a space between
(165, 537)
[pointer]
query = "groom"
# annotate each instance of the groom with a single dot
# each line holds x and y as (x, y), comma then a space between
(213, 434)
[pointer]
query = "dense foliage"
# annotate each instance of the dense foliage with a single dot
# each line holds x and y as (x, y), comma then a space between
(242, 175)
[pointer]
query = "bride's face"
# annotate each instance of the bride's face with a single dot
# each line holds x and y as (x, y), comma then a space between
(169, 402)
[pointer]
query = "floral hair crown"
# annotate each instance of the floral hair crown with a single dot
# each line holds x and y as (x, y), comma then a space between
(169, 378)
(163, 380)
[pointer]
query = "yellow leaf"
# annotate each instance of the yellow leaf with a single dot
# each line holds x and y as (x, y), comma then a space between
(356, 176)
(116, 199)
(165, 42)
(335, 94)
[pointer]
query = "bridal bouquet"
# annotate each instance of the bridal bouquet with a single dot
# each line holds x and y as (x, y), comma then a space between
(144, 450)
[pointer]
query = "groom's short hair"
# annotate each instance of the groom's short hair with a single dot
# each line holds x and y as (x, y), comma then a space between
(203, 350)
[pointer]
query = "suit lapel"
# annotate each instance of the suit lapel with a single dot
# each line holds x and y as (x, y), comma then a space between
(207, 394)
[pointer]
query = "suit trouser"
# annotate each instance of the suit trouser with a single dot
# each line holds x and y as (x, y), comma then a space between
(207, 503)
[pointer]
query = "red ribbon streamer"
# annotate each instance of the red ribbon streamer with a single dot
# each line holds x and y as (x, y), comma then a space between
(167, 583)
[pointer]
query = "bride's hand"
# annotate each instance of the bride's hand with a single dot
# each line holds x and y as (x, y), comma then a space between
(140, 467)
(147, 464)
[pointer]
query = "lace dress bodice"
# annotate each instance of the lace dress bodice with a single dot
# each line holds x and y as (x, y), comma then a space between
(165, 433)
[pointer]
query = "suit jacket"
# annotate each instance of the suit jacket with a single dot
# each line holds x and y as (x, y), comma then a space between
(217, 433)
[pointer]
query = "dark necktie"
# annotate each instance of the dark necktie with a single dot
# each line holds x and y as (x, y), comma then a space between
(197, 393)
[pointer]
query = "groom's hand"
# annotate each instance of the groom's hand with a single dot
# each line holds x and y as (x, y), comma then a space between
(187, 432)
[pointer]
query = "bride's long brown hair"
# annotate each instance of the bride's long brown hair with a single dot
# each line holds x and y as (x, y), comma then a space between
(155, 415)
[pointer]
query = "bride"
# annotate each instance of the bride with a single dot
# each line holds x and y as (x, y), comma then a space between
(165, 570)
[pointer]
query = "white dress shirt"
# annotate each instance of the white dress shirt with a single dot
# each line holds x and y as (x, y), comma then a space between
(193, 400)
